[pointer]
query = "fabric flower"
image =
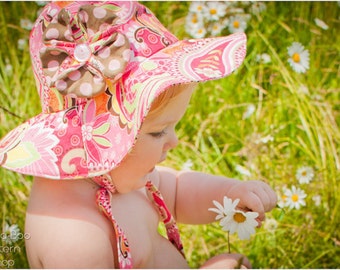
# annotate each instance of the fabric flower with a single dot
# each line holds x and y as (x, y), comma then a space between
(81, 53)
(305, 174)
(299, 57)
(295, 198)
(233, 220)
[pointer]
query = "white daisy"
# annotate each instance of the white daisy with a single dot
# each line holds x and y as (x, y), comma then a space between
(303, 89)
(214, 11)
(26, 24)
(233, 220)
(295, 198)
(22, 43)
(223, 210)
(197, 7)
(11, 233)
(317, 200)
(282, 198)
(9, 69)
(187, 165)
(305, 174)
(237, 23)
(257, 7)
(321, 23)
(215, 29)
(270, 224)
(263, 58)
(299, 57)
(198, 32)
(249, 111)
(41, 3)
(265, 140)
(193, 21)
(242, 170)
(243, 223)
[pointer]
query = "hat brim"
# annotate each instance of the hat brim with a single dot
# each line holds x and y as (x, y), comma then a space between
(75, 143)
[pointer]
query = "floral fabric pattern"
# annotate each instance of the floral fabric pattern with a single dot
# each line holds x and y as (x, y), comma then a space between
(98, 67)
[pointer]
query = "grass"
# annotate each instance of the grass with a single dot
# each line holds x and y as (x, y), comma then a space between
(215, 136)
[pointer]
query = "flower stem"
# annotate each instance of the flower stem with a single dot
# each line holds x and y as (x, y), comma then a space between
(228, 243)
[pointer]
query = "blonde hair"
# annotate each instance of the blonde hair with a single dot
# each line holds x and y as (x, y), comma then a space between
(163, 99)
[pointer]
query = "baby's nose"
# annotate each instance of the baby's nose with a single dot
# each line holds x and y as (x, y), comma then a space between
(172, 142)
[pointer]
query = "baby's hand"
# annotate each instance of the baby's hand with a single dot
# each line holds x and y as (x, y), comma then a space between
(254, 196)
(227, 261)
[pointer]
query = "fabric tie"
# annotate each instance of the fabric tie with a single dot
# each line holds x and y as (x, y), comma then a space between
(103, 198)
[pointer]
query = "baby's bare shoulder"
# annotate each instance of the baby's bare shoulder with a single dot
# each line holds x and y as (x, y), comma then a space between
(67, 230)
(67, 242)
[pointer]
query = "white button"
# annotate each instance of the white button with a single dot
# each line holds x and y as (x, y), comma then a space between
(82, 52)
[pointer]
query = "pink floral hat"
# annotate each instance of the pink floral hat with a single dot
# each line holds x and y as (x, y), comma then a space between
(98, 68)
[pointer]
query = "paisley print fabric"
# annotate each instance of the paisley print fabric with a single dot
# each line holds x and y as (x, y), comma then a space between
(98, 67)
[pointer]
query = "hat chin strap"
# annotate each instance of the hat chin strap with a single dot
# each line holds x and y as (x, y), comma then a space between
(103, 199)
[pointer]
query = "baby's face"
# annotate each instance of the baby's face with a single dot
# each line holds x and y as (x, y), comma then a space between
(157, 136)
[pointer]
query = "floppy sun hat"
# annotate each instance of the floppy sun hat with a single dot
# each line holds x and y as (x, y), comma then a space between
(98, 68)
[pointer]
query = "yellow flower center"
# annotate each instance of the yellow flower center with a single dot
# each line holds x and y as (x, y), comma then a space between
(295, 197)
(194, 19)
(239, 217)
(236, 24)
(213, 11)
(296, 57)
(304, 173)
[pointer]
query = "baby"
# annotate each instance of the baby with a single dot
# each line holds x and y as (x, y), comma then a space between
(113, 84)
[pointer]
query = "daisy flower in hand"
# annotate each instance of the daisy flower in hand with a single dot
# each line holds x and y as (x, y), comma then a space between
(233, 220)
(299, 57)
(226, 209)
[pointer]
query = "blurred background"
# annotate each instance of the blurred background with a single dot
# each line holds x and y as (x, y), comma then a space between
(275, 119)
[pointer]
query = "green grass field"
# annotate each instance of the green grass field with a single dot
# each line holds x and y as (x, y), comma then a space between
(266, 119)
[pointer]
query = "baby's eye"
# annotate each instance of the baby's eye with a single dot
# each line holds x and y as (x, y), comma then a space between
(158, 134)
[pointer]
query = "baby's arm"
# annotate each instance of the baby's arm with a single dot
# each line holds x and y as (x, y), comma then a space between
(195, 191)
